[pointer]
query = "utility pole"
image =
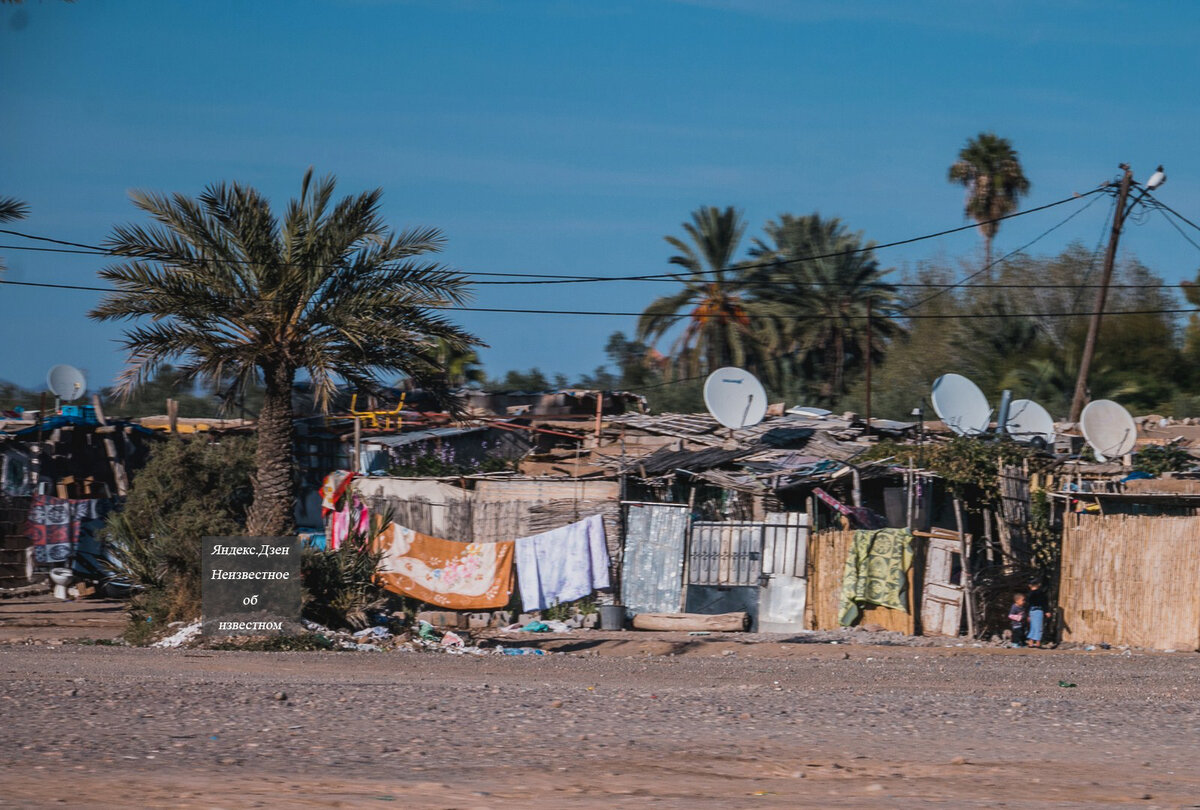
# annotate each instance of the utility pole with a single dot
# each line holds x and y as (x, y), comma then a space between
(868, 369)
(1089, 346)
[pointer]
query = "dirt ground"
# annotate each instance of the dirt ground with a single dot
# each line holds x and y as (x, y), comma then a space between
(44, 618)
(628, 721)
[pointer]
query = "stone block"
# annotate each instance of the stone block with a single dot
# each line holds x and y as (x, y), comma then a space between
(439, 618)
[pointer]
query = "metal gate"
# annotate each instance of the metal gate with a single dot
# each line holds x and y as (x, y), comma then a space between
(784, 595)
(725, 553)
(652, 573)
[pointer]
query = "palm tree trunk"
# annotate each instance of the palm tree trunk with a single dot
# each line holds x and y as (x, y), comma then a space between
(272, 513)
(987, 259)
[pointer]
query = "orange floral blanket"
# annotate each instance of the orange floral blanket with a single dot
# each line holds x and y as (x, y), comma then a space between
(456, 576)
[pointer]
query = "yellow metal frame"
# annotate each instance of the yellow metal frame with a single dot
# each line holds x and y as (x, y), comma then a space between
(379, 420)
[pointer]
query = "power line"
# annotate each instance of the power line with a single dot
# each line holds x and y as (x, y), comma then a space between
(1003, 258)
(550, 278)
(1162, 204)
(901, 284)
(1162, 209)
(612, 313)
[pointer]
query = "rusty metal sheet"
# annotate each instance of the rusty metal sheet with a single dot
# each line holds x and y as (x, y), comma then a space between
(652, 573)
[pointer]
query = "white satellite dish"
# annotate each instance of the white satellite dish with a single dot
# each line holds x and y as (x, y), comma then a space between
(813, 411)
(735, 397)
(66, 382)
(1108, 428)
(961, 405)
(1028, 421)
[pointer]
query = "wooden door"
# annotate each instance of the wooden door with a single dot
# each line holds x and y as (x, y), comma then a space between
(942, 592)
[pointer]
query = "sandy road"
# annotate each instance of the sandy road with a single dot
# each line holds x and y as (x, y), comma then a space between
(804, 727)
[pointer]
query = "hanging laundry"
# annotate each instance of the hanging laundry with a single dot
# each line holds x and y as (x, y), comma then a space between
(861, 516)
(457, 576)
(562, 565)
(876, 572)
(333, 487)
(352, 517)
(54, 523)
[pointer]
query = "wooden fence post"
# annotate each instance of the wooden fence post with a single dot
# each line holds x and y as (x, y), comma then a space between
(968, 587)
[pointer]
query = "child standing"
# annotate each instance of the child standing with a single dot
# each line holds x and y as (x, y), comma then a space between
(1016, 616)
(1037, 613)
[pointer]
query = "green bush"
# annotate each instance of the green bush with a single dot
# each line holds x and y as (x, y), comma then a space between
(190, 488)
(339, 586)
(1156, 460)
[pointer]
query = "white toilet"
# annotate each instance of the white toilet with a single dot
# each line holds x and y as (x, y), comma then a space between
(62, 579)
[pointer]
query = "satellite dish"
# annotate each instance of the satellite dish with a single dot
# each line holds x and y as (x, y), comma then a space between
(1108, 428)
(961, 405)
(66, 382)
(1028, 421)
(805, 410)
(735, 397)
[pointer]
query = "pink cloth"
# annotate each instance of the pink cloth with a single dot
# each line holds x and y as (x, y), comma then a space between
(352, 517)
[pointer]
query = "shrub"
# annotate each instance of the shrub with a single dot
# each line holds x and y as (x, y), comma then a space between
(339, 586)
(190, 488)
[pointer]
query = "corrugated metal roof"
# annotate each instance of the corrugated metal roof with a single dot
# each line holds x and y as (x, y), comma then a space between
(665, 459)
(401, 439)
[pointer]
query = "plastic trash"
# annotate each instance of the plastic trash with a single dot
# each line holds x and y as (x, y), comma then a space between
(452, 639)
(425, 630)
(536, 627)
(373, 632)
(523, 651)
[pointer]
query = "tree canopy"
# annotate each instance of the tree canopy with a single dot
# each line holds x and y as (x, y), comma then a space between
(227, 291)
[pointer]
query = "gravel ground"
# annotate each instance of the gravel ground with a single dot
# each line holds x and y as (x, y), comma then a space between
(718, 724)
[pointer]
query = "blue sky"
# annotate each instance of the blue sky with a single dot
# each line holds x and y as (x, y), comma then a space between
(570, 136)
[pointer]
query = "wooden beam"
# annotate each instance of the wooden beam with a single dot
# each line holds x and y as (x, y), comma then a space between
(99, 409)
(720, 622)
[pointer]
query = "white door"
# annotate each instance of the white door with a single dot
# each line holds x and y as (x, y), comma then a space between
(785, 572)
(942, 593)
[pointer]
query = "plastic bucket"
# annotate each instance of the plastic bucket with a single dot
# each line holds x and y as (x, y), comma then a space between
(612, 617)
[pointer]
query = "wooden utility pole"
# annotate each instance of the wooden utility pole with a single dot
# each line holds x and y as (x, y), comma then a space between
(868, 366)
(1089, 346)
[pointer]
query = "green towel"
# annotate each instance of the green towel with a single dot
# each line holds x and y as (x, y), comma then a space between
(876, 572)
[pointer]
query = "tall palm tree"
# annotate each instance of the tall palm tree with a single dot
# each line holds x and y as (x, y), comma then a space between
(11, 209)
(813, 285)
(231, 291)
(990, 169)
(717, 331)
(460, 365)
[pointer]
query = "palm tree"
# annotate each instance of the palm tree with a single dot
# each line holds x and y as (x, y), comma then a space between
(814, 284)
(990, 169)
(461, 365)
(11, 209)
(718, 330)
(232, 292)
